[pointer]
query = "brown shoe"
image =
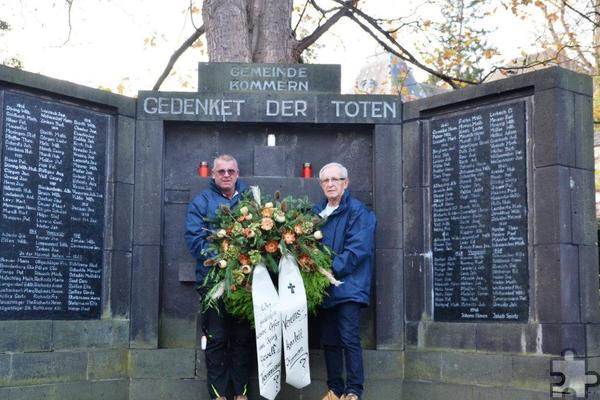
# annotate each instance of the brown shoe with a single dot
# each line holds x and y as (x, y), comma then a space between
(350, 396)
(331, 396)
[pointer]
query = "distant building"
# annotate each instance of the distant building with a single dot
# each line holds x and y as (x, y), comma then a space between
(385, 73)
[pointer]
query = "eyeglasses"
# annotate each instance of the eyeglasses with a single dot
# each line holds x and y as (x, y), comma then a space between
(222, 172)
(335, 181)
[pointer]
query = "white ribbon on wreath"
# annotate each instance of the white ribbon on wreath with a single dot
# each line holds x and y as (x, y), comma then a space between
(294, 321)
(267, 320)
(280, 316)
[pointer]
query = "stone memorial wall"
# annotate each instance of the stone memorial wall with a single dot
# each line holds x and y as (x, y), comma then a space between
(65, 255)
(486, 255)
(500, 267)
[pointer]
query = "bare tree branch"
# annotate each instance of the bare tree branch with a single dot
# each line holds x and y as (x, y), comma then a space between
(319, 31)
(529, 64)
(300, 17)
(580, 13)
(550, 25)
(407, 56)
(404, 54)
(191, 8)
(561, 42)
(69, 8)
(321, 10)
(571, 35)
(175, 56)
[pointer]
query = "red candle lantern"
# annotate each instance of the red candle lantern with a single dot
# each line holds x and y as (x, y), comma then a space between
(307, 170)
(203, 169)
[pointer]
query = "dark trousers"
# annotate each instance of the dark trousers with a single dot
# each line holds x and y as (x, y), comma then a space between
(227, 353)
(340, 338)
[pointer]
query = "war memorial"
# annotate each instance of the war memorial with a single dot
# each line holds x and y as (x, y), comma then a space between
(486, 270)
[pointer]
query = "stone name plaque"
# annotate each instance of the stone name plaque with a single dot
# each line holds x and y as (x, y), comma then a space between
(257, 78)
(51, 225)
(479, 215)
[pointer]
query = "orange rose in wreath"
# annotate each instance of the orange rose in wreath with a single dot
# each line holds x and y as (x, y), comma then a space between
(271, 246)
(306, 263)
(289, 237)
(244, 259)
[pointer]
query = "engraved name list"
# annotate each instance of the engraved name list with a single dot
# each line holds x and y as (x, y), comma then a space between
(52, 208)
(479, 207)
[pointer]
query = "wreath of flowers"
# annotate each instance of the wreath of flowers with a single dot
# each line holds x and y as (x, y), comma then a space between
(260, 231)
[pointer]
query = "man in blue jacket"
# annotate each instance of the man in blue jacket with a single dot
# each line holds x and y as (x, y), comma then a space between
(228, 338)
(349, 230)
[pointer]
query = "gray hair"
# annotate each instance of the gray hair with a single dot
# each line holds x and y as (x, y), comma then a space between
(224, 157)
(343, 169)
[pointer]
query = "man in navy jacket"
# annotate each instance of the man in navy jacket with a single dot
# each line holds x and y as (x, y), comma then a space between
(349, 230)
(228, 338)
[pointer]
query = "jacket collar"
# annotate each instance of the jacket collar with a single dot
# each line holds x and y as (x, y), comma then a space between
(343, 204)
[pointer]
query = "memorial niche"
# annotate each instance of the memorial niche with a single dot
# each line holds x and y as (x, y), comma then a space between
(479, 215)
(52, 220)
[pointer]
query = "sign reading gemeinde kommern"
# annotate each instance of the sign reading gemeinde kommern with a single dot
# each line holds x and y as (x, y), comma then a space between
(256, 78)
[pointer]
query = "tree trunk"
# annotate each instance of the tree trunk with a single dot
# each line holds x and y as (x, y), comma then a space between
(249, 30)
(596, 72)
(226, 24)
(274, 42)
(596, 38)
